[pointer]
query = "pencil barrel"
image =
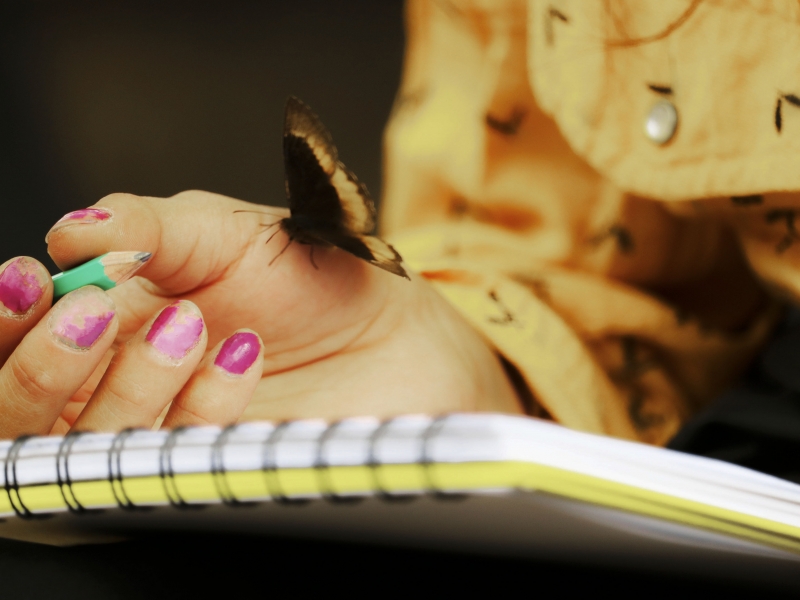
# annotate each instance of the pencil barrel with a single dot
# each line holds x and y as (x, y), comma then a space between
(105, 272)
(91, 273)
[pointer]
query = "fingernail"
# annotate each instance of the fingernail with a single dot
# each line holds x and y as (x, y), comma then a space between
(239, 352)
(177, 329)
(81, 317)
(22, 283)
(84, 216)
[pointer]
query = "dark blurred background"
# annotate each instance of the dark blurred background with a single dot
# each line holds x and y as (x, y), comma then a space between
(157, 97)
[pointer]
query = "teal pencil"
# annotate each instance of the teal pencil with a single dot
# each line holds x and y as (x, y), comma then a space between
(105, 272)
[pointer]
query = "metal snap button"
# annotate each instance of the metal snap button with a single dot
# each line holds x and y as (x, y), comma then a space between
(661, 122)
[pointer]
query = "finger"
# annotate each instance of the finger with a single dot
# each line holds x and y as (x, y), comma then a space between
(77, 402)
(194, 236)
(26, 292)
(53, 361)
(220, 390)
(148, 371)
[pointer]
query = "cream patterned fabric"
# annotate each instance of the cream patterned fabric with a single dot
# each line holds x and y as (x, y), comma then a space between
(628, 281)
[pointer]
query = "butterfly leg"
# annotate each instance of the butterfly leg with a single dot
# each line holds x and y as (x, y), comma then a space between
(272, 236)
(268, 226)
(277, 256)
(311, 256)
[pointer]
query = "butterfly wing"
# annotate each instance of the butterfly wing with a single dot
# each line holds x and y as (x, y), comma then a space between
(323, 193)
(328, 204)
(367, 247)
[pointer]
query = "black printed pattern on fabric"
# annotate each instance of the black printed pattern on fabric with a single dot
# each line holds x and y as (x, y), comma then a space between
(664, 90)
(788, 215)
(750, 200)
(633, 369)
(506, 317)
(757, 423)
(792, 99)
(620, 234)
(553, 14)
(509, 126)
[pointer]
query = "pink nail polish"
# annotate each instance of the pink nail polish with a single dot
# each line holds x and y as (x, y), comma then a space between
(81, 317)
(176, 330)
(239, 352)
(84, 216)
(21, 285)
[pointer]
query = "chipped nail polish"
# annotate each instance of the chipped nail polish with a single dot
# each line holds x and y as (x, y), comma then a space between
(176, 330)
(238, 352)
(81, 317)
(84, 216)
(21, 285)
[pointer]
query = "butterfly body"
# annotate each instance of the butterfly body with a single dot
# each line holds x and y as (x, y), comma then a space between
(328, 205)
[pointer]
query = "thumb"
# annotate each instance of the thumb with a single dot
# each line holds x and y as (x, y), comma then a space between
(193, 236)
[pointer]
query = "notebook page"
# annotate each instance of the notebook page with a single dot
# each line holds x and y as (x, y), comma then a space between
(660, 470)
(263, 461)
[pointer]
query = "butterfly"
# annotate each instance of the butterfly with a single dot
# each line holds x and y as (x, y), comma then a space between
(328, 205)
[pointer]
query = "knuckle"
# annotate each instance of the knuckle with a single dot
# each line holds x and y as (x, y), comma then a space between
(31, 378)
(182, 415)
(192, 196)
(127, 397)
(199, 198)
(119, 198)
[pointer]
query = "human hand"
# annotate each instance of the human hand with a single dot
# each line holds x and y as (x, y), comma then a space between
(48, 355)
(341, 339)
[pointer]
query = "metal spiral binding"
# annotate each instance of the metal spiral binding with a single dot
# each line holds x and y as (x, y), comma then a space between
(167, 473)
(322, 468)
(11, 484)
(430, 433)
(218, 472)
(62, 472)
(115, 470)
(269, 466)
(374, 466)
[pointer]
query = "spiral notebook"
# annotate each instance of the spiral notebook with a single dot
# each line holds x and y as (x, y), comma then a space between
(510, 484)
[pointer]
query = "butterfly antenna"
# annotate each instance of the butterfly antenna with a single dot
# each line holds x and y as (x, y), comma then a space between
(311, 256)
(277, 256)
(272, 213)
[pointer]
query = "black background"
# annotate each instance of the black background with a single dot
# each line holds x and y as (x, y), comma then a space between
(153, 98)
(241, 567)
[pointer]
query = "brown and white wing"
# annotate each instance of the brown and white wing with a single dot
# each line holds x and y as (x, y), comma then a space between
(367, 247)
(320, 188)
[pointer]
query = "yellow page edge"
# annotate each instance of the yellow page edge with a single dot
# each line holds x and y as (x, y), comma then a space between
(255, 486)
